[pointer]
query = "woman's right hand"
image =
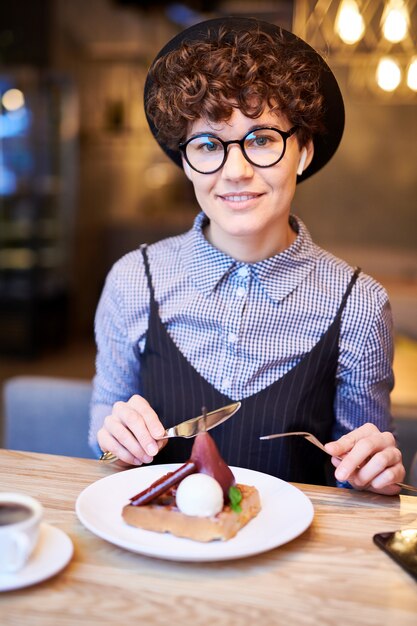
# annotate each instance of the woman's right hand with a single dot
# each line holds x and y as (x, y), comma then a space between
(132, 432)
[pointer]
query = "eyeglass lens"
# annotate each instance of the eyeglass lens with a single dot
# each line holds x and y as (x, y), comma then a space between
(262, 147)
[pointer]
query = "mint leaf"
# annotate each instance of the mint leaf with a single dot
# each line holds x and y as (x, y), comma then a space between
(235, 497)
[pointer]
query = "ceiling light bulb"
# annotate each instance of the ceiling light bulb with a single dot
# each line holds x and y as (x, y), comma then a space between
(13, 99)
(349, 22)
(395, 21)
(412, 74)
(388, 74)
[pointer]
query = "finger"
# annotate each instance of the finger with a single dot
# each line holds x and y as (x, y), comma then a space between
(143, 422)
(124, 437)
(389, 458)
(336, 461)
(127, 426)
(341, 446)
(385, 483)
(344, 444)
(389, 477)
(152, 421)
(134, 429)
(361, 452)
(390, 490)
(109, 444)
(161, 443)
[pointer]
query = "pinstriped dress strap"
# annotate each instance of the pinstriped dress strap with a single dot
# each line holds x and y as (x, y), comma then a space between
(153, 302)
(348, 290)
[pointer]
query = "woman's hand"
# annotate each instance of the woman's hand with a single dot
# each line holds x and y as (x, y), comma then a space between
(369, 460)
(132, 431)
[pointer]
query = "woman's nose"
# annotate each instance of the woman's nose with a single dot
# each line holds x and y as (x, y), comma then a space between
(236, 166)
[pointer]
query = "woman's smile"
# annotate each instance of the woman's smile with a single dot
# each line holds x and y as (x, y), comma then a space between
(240, 200)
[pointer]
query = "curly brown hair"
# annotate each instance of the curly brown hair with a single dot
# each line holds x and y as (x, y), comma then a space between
(243, 69)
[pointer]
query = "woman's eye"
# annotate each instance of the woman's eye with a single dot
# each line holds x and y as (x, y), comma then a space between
(261, 141)
(207, 146)
(211, 147)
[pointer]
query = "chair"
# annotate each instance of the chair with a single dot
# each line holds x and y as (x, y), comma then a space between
(46, 414)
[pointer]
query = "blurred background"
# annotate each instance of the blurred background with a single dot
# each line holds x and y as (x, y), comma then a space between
(82, 181)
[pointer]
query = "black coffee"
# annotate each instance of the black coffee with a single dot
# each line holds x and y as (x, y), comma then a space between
(13, 512)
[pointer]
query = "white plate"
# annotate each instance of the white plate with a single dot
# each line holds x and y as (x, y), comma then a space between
(286, 513)
(53, 551)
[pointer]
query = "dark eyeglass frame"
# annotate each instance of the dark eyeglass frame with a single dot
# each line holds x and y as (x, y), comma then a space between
(284, 134)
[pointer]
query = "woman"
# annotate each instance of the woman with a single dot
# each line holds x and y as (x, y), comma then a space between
(245, 306)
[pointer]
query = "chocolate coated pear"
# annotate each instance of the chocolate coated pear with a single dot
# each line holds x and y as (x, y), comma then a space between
(206, 457)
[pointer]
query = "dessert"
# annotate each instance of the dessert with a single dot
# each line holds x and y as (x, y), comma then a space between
(200, 500)
(200, 495)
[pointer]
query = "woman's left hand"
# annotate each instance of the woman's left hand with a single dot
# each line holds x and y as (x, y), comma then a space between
(369, 459)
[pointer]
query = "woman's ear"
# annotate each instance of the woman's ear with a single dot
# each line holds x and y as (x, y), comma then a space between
(306, 156)
(186, 168)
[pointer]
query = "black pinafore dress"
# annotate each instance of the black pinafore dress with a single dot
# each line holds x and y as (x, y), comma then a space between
(301, 400)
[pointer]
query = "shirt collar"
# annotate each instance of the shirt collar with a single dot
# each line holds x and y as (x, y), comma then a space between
(278, 275)
(206, 264)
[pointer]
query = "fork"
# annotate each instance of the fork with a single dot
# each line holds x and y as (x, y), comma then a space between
(108, 457)
(312, 439)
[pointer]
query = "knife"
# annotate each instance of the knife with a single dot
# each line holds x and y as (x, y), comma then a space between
(191, 428)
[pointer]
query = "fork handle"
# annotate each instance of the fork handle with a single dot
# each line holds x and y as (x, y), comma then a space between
(108, 457)
(407, 487)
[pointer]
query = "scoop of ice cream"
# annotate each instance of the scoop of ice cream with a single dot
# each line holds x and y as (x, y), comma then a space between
(200, 495)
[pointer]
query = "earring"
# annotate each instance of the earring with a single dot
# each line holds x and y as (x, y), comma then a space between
(301, 164)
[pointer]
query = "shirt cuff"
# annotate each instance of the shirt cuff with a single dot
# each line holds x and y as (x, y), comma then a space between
(343, 484)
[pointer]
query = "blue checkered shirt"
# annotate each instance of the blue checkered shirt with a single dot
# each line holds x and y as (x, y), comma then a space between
(243, 326)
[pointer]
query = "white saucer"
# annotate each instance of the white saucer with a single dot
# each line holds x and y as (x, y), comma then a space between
(53, 551)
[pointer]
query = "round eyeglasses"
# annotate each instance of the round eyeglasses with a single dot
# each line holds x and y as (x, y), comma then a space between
(262, 147)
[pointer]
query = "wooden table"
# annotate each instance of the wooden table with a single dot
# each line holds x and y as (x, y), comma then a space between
(331, 574)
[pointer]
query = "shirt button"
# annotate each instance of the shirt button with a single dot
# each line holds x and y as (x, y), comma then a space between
(243, 272)
(240, 292)
(232, 338)
(226, 384)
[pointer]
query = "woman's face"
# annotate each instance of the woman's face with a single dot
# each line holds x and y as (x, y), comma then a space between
(248, 206)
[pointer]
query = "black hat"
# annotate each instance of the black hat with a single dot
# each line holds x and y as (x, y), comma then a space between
(326, 144)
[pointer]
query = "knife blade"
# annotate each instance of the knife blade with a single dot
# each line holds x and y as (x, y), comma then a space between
(207, 421)
(190, 428)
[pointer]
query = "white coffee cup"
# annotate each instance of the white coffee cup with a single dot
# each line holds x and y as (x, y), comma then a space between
(20, 518)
